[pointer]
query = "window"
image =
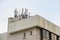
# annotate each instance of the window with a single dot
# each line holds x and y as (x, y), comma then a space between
(53, 36)
(30, 32)
(45, 34)
(57, 38)
(50, 37)
(24, 35)
(41, 35)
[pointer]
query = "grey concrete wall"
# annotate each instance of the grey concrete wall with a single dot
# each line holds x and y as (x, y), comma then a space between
(20, 35)
(3, 36)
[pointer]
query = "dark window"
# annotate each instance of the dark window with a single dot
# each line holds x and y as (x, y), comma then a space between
(57, 37)
(50, 37)
(45, 34)
(41, 34)
(30, 32)
(24, 35)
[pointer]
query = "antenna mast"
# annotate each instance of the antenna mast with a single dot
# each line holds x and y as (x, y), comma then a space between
(15, 12)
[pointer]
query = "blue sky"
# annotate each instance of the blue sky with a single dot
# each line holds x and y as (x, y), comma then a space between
(49, 9)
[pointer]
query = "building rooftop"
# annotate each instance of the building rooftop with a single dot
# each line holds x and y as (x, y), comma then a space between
(33, 21)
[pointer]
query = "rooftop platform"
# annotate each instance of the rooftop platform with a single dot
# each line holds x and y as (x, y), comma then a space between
(31, 22)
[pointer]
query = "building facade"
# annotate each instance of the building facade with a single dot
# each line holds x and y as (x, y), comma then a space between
(26, 27)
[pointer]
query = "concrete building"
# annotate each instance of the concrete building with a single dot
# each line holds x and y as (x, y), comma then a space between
(26, 27)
